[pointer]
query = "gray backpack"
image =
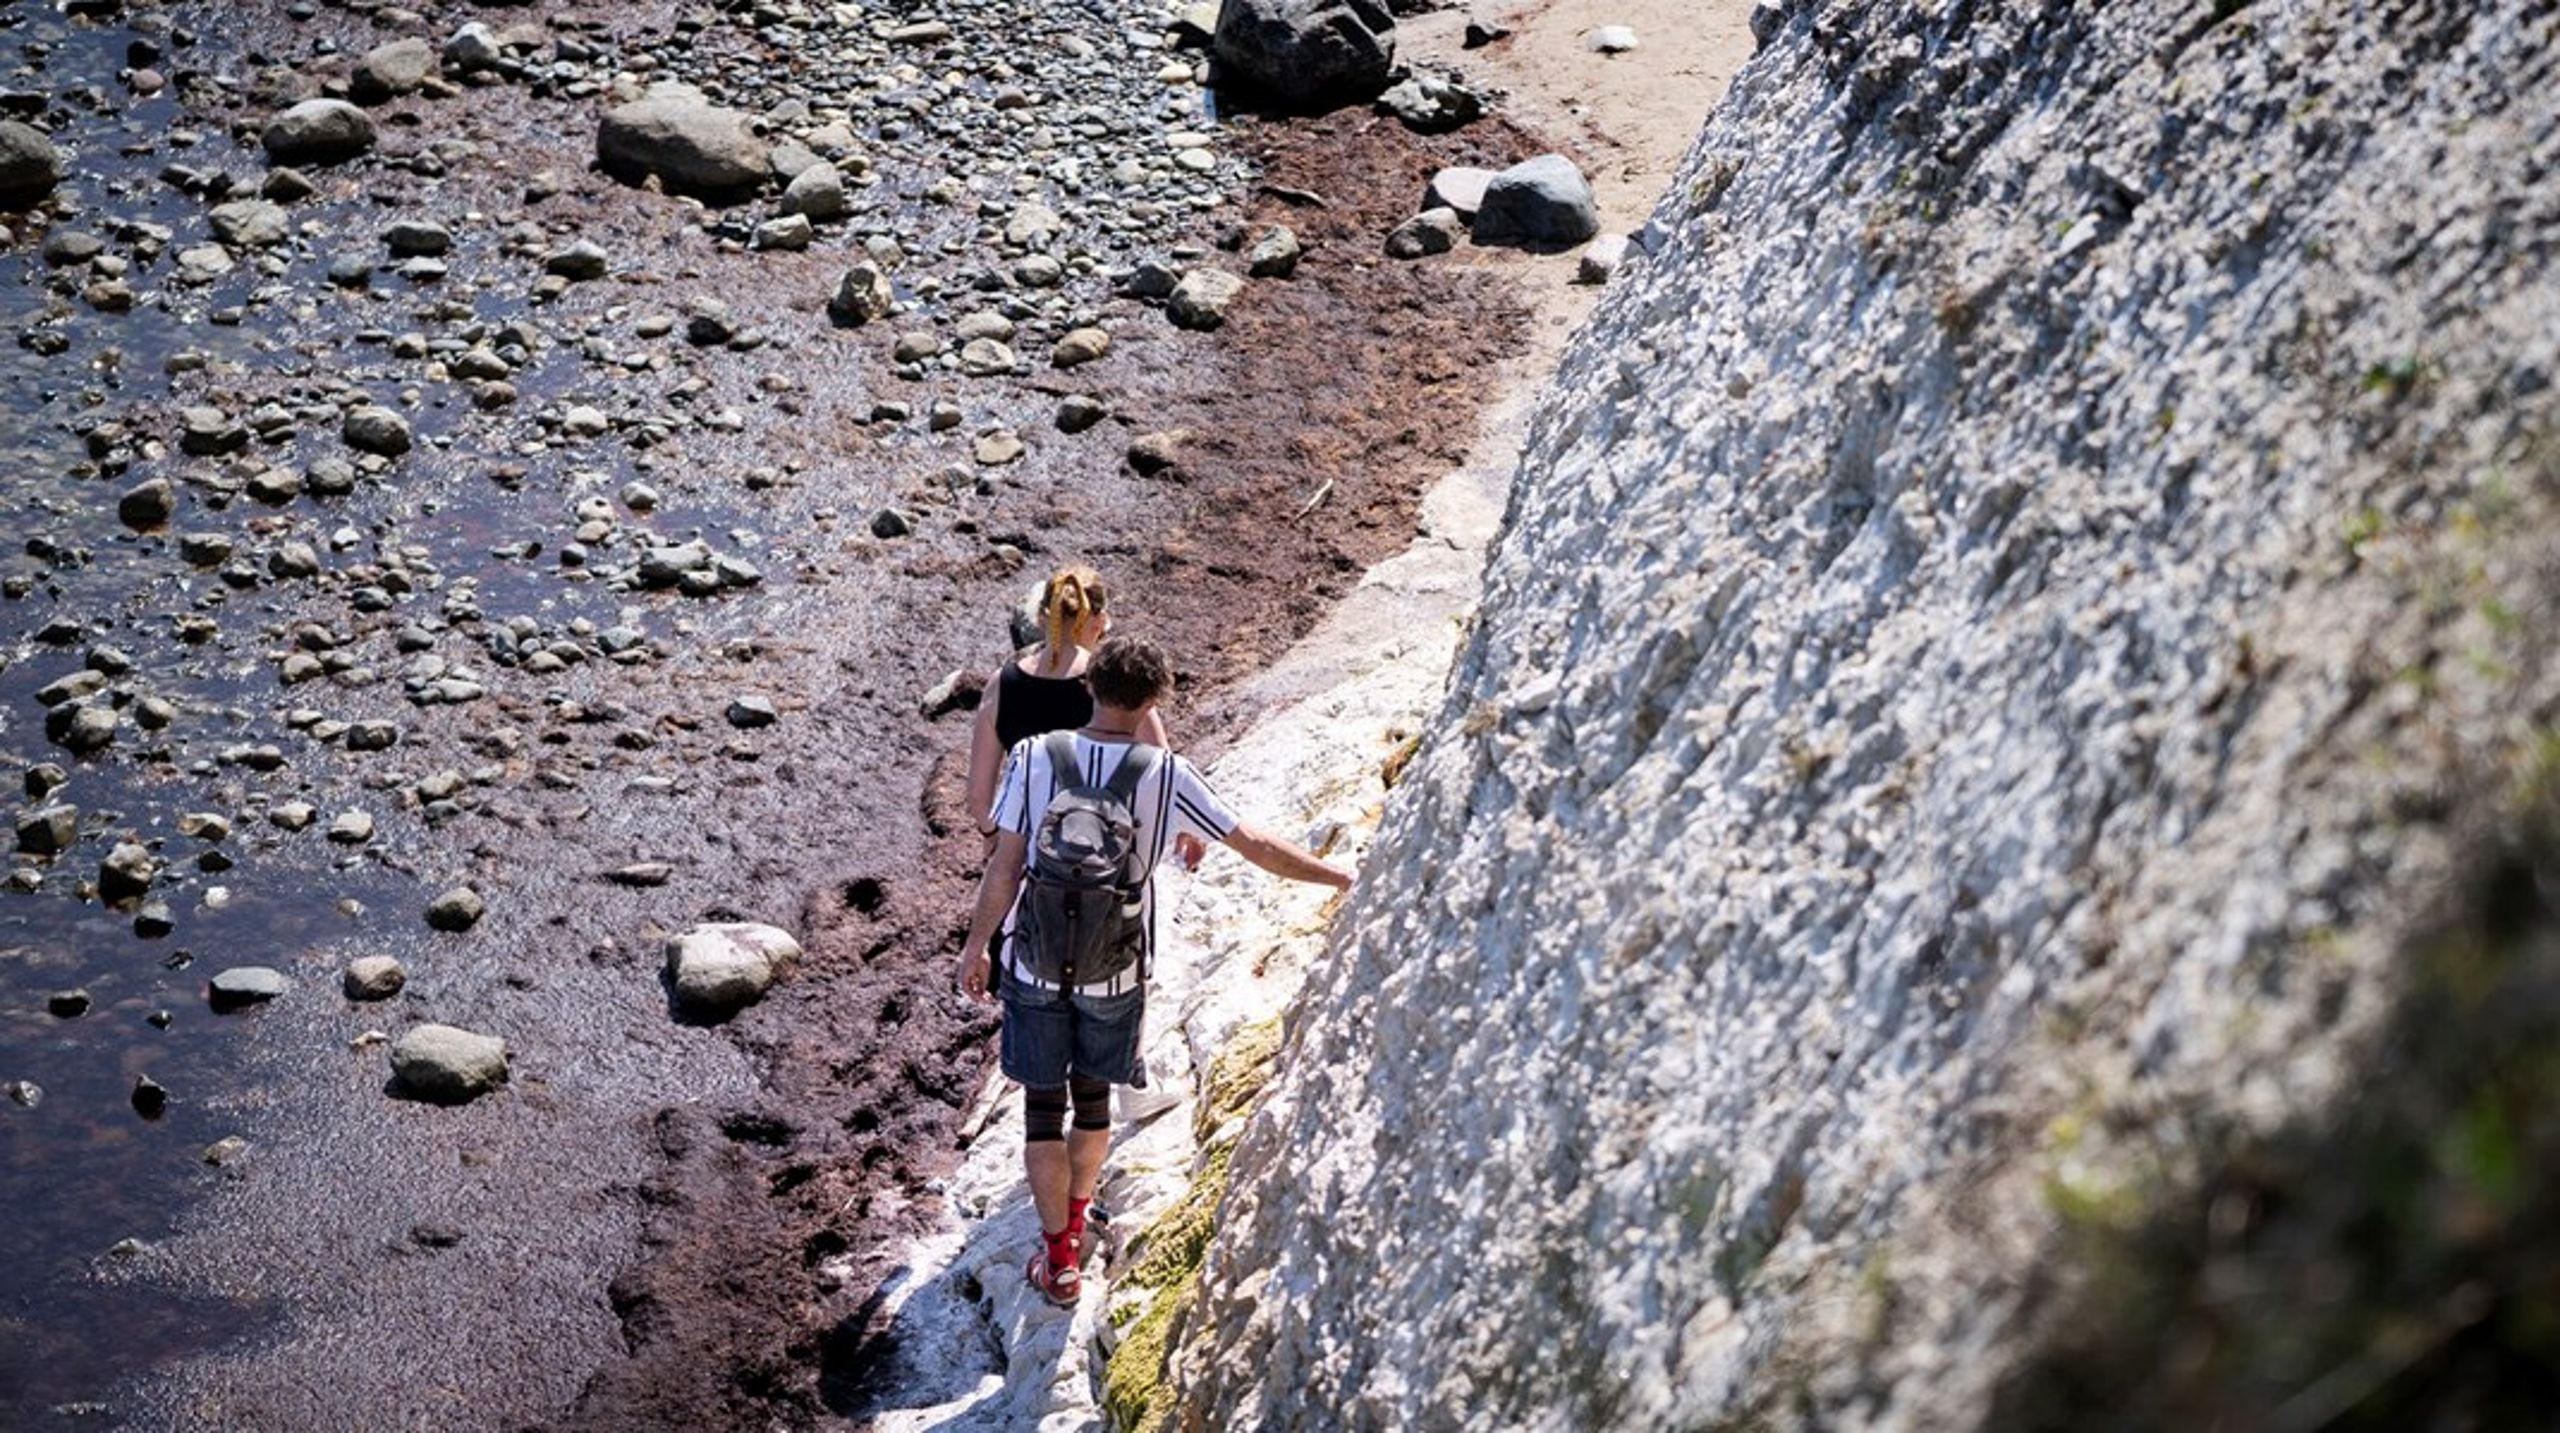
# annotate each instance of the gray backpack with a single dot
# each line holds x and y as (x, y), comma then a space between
(1082, 919)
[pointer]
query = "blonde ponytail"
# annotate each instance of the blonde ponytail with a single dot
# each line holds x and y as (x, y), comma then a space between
(1071, 594)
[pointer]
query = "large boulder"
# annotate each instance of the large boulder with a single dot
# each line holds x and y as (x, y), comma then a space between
(1538, 201)
(1306, 54)
(392, 69)
(686, 142)
(716, 969)
(30, 164)
(448, 1065)
(318, 132)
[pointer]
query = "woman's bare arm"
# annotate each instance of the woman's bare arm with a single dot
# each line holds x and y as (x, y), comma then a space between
(986, 758)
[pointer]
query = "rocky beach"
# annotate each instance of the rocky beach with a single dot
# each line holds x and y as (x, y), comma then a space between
(509, 509)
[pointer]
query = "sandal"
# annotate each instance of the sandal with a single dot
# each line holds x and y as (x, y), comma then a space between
(1061, 1285)
(1097, 1227)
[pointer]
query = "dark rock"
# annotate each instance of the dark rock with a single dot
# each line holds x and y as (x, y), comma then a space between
(148, 505)
(30, 164)
(457, 910)
(49, 830)
(1540, 201)
(127, 871)
(1306, 55)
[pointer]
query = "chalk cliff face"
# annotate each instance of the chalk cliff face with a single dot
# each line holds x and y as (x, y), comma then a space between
(1996, 639)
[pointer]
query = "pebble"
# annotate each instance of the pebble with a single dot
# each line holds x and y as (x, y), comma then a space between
(370, 428)
(1274, 255)
(579, 261)
(998, 448)
(1152, 453)
(373, 977)
(1201, 300)
(448, 1065)
(1079, 411)
(247, 985)
(456, 910)
(751, 712)
(1080, 346)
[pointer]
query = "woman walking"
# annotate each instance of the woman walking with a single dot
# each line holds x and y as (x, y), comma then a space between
(1042, 690)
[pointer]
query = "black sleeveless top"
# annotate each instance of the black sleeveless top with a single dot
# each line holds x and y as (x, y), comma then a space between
(1030, 706)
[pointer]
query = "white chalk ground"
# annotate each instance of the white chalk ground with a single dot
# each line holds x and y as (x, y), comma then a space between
(977, 1348)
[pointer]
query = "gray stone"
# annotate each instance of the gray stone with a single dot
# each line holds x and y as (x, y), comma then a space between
(448, 1065)
(392, 69)
(351, 828)
(791, 232)
(816, 192)
(48, 830)
(371, 428)
(148, 505)
(373, 977)
(30, 163)
(753, 713)
(456, 910)
(248, 223)
(1432, 104)
(472, 49)
(1079, 411)
(579, 261)
(1201, 300)
(128, 871)
(684, 141)
(986, 358)
(1433, 231)
(412, 237)
(248, 985)
(1610, 40)
(716, 969)
(1306, 54)
(1152, 453)
(863, 294)
(1459, 187)
(318, 132)
(1080, 346)
(82, 728)
(1274, 255)
(1601, 259)
(1541, 201)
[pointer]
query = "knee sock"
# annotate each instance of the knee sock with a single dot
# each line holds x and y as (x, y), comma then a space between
(1044, 1114)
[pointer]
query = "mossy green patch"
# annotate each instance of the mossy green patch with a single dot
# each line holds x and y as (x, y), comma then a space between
(2391, 1262)
(1236, 1077)
(1171, 1250)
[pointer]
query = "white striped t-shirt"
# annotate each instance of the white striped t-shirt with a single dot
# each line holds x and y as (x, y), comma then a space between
(1172, 799)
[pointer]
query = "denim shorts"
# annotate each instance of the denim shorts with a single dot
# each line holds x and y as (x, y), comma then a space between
(1049, 1034)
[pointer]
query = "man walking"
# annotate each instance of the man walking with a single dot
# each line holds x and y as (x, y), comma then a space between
(1074, 1003)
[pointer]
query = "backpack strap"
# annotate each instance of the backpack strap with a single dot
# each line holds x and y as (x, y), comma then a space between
(1134, 766)
(1065, 768)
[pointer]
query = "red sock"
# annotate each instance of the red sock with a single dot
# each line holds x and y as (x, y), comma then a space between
(1075, 1214)
(1062, 1247)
